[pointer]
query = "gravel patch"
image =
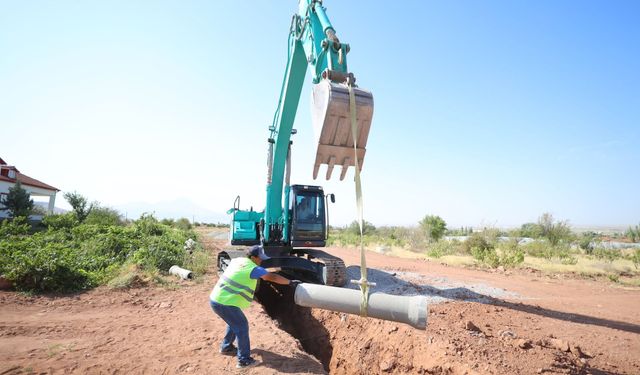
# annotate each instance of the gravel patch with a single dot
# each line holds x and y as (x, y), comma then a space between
(436, 289)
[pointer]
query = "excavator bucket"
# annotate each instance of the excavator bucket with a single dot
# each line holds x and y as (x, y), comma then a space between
(331, 118)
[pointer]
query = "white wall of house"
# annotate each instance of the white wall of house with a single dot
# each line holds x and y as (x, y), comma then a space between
(34, 192)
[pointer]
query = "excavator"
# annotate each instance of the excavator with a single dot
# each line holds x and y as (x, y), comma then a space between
(294, 222)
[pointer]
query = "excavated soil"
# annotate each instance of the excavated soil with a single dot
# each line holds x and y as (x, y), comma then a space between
(479, 323)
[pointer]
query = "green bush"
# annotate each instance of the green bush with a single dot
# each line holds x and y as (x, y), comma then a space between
(585, 241)
(183, 224)
(160, 252)
(71, 256)
(439, 249)
(168, 222)
(46, 266)
(530, 230)
(367, 228)
(554, 231)
(149, 226)
(565, 255)
(544, 249)
(608, 255)
(635, 258)
(633, 233)
(488, 256)
(15, 227)
(539, 249)
(478, 241)
(62, 221)
(198, 262)
(104, 216)
(511, 254)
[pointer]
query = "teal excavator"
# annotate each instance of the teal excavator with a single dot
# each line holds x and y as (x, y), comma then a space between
(295, 219)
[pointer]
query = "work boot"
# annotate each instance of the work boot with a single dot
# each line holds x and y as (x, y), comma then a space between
(247, 363)
(229, 350)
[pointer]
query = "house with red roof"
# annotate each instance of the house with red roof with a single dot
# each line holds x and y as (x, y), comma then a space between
(10, 175)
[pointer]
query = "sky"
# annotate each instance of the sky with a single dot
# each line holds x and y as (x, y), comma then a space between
(486, 113)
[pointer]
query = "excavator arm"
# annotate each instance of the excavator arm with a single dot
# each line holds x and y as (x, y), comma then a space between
(313, 43)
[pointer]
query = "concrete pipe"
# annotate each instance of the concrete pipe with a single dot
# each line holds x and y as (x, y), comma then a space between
(184, 274)
(410, 310)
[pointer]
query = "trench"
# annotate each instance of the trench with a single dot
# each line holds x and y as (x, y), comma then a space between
(297, 321)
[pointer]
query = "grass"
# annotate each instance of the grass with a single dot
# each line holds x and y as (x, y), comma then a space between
(133, 276)
(585, 265)
(630, 281)
(459, 260)
(621, 267)
(620, 271)
(55, 349)
(130, 276)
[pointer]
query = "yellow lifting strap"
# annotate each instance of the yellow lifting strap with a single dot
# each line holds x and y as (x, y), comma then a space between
(363, 283)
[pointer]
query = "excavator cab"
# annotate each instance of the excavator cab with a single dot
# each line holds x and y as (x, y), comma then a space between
(331, 118)
(308, 216)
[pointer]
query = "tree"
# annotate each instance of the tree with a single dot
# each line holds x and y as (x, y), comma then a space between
(367, 227)
(433, 226)
(633, 234)
(183, 224)
(18, 202)
(104, 216)
(79, 205)
(586, 241)
(530, 230)
(554, 231)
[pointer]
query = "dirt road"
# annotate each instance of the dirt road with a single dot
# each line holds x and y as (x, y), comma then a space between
(479, 322)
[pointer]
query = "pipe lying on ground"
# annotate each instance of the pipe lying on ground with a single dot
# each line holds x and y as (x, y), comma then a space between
(410, 310)
(184, 274)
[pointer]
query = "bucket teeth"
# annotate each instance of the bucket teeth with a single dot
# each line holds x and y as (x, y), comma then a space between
(331, 120)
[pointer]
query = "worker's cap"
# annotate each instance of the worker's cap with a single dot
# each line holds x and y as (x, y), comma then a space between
(257, 251)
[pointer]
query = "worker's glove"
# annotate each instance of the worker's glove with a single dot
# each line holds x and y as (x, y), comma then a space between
(294, 283)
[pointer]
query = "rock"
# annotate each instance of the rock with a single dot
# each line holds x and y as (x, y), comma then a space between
(523, 344)
(165, 305)
(575, 349)
(393, 329)
(561, 345)
(508, 334)
(367, 344)
(469, 326)
(387, 364)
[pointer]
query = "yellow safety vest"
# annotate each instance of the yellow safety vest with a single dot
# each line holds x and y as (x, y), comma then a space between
(235, 287)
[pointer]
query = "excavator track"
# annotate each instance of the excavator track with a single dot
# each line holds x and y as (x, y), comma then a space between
(309, 265)
(334, 272)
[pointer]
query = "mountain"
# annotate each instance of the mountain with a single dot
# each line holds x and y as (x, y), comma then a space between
(45, 206)
(173, 209)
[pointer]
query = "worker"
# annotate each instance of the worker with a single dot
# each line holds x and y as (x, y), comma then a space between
(234, 292)
(305, 209)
